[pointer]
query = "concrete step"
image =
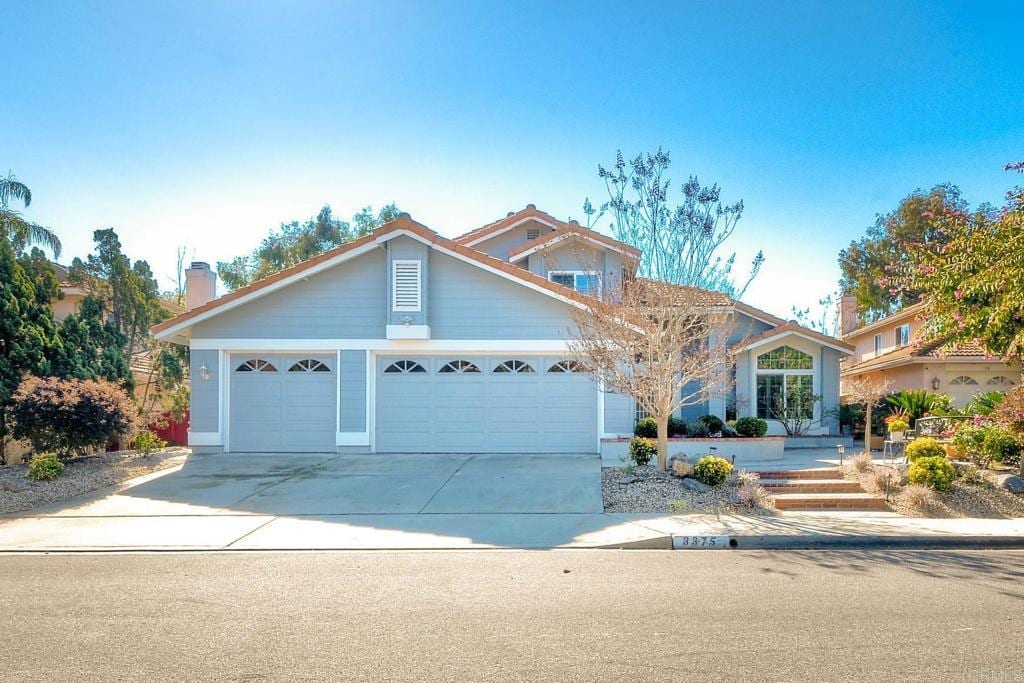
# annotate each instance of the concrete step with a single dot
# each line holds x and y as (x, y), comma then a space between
(827, 473)
(811, 486)
(854, 502)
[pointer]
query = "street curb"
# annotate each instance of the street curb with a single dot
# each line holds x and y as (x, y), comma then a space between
(837, 542)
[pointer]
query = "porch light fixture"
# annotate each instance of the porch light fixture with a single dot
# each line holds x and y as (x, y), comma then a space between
(840, 449)
(204, 372)
(407, 320)
(935, 383)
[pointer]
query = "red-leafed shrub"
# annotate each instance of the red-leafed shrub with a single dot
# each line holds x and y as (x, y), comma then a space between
(70, 416)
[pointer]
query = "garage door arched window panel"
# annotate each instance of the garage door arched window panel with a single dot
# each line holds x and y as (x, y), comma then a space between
(566, 366)
(309, 365)
(256, 365)
(1000, 381)
(405, 367)
(458, 366)
(513, 367)
(785, 358)
(963, 380)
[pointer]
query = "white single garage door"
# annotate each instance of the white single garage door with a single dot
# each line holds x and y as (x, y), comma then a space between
(494, 404)
(283, 403)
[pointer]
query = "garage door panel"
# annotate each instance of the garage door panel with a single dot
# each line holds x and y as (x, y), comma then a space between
(485, 411)
(283, 410)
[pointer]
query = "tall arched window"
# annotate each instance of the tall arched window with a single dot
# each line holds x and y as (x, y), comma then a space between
(785, 384)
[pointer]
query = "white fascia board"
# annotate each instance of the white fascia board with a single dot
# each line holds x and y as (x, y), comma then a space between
(519, 222)
(561, 238)
(408, 332)
(385, 345)
(787, 333)
(166, 335)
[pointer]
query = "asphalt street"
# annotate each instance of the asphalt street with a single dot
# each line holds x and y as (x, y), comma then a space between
(514, 615)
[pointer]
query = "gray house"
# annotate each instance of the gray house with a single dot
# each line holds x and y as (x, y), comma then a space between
(407, 341)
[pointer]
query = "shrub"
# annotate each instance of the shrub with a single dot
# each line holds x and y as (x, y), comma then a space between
(147, 442)
(712, 470)
(925, 447)
(969, 474)
(676, 427)
(70, 416)
(987, 443)
(697, 429)
(862, 462)
(642, 450)
(44, 467)
(898, 425)
(751, 426)
(646, 428)
(728, 432)
(745, 477)
(712, 422)
(918, 497)
(1001, 446)
(934, 472)
(879, 478)
(755, 496)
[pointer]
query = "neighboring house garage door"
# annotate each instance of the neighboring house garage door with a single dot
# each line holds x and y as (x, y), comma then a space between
(283, 403)
(472, 404)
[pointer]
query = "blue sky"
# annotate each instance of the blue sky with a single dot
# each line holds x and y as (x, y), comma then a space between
(207, 123)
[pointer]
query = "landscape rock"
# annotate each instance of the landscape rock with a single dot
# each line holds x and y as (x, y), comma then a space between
(630, 480)
(1011, 482)
(695, 485)
(680, 467)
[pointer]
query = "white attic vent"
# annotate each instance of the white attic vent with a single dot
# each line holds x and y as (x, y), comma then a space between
(405, 285)
(532, 233)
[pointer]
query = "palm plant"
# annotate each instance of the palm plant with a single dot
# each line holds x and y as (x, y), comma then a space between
(21, 232)
(919, 403)
(985, 402)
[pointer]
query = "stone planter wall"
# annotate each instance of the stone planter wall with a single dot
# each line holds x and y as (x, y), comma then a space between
(614, 451)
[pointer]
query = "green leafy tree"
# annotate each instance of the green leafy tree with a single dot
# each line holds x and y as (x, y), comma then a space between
(680, 244)
(869, 264)
(19, 231)
(296, 242)
(88, 347)
(970, 279)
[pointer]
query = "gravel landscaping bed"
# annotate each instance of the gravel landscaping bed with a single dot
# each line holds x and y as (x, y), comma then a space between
(648, 489)
(982, 499)
(18, 493)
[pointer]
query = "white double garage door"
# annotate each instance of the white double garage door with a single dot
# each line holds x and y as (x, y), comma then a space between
(422, 404)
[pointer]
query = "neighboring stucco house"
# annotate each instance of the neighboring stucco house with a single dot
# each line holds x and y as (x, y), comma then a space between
(890, 350)
(407, 341)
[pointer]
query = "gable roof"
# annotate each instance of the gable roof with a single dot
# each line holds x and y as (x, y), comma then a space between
(938, 350)
(569, 231)
(793, 327)
(506, 223)
(403, 225)
(902, 314)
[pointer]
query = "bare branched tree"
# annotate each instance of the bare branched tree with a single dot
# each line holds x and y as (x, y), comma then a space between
(662, 344)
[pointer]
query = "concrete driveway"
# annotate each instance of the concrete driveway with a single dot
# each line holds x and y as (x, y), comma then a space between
(277, 501)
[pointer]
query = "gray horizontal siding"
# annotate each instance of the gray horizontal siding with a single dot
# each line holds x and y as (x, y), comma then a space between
(205, 393)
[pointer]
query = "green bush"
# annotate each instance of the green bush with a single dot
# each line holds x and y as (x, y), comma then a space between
(1001, 446)
(751, 426)
(44, 467)
(898, 425)
(646, 428)
(696, 429)
(985, 444)
(70, 416)
(729, 433)
(147, 442)
(932, 471)
(712, 470)
(642, 450)
(676, 427)
(712, 422)
(925, 447)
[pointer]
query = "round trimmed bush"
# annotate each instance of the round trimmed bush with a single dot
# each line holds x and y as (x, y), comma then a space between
(712, 470)
(712, 422)
(647, 428)
(932, 471)
(44, 467)
(751, 427)
(925, 447)
(676, 427)
(642, 450)
(696, 429)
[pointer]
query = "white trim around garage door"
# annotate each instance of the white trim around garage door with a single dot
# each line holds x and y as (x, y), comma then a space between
(519, 346)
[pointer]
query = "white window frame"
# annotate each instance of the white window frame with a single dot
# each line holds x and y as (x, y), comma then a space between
(576, 273)
(902, 336)
(419, 286)
(878, 344)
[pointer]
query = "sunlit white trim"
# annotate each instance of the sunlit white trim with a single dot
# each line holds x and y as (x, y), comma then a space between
(203, 438)
(337, 391)
(492, 235)
(352, 439)
(383, 345)
(408, 331)
(552, 241)
(796, 333)
(225, 398)
(371, 399)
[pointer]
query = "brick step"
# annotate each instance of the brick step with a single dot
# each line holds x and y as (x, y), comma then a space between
(811, 486)
(828, 473)
(854, 502)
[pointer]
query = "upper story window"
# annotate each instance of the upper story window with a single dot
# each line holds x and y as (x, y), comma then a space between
(902, 336)
(785, 358)
(406, 294)
(584, 282)
(878, 344)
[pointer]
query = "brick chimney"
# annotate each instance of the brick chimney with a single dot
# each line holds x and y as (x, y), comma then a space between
(200, 285)
(847, 314)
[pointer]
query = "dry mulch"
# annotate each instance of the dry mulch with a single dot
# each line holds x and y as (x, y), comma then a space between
(648, 489)
(81, 475)
(982, 499)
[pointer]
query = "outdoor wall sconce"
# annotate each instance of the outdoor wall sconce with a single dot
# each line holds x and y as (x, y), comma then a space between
(935, 383)
(407, 320)
(204, 372)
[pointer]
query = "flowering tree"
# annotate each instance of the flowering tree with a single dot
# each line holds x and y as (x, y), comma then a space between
(869, 392)
(971, 284)
(661, 344)
(680, 244)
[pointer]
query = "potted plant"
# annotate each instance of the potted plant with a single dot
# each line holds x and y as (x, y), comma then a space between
(897, 427)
